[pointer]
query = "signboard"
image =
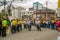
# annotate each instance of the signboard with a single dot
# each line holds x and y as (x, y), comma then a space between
(58, 3)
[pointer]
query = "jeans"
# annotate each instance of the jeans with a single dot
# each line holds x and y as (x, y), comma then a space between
(3, 31)
(13, 29)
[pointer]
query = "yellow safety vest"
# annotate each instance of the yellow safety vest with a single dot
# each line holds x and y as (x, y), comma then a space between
(53, 21)
(20, 22)
(14, 22)
(4, 23)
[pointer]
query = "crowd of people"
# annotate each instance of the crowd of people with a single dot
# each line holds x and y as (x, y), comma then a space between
(16, 25)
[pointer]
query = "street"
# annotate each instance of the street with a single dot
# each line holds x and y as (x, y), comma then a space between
(45, 34)
(15, 14)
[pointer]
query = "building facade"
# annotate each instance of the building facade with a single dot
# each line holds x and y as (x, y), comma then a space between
(37, 6)
(27, 14)
(16, 12)
(43, 14)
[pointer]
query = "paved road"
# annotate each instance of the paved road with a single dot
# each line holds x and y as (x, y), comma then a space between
(45, 34)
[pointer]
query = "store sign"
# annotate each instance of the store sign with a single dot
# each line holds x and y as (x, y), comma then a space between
(58, 3)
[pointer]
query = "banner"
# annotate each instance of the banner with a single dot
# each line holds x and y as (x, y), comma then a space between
(58, 3)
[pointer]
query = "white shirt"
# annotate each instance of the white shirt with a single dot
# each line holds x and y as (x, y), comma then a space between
(28, 22)
(37, 22)
(25, 22)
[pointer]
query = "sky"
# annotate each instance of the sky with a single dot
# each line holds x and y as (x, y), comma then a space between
(52, 4)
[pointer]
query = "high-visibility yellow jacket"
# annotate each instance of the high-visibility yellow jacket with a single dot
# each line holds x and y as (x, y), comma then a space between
(20, 22)
(52, 21)
(14, 22)
(4, 23)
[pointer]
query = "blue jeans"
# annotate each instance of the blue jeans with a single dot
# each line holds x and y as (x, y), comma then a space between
(55, 27)
(48, 25)
(44, 25)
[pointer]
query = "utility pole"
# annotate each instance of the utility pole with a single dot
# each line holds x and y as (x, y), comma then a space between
(9, 7)
(4, 8)
(46, 9)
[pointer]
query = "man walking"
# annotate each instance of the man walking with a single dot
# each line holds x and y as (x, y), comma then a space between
(29, 25)
(25, 24)
(37, 23)
(19, 25)
(13, 28)
(52, 23)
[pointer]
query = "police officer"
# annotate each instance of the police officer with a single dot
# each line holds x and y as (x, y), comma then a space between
(19, 25)
(13, 24)
(0, 26)
(52, 23)
(4, 26)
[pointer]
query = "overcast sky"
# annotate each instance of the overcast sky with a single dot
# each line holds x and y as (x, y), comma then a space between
(29, 3)
(52, 4)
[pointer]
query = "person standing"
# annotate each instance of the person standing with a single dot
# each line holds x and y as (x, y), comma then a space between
(58, 25)
(0, 26)
(29, 25)
(25, 24)
(52, 24)
(19, 25)
(9, 22)
(48, 23)
(44, 23)
(4, 26)
(37, 23)
(13, 26)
